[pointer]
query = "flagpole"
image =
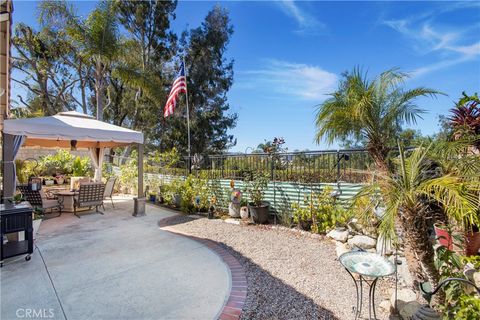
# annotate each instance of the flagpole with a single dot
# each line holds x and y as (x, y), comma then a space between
(188, 118)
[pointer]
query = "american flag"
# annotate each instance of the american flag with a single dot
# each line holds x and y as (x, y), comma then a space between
(179, 85)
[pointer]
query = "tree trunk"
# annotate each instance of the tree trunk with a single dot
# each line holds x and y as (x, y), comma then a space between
(99, 89)
(419, 250)
(379, 156)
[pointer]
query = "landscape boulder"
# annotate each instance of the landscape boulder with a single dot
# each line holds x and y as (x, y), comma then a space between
(404, 296)
(409, 309)
(338, 235)
(362, 242)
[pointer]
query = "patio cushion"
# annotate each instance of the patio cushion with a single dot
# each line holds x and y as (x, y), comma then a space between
(47, 203)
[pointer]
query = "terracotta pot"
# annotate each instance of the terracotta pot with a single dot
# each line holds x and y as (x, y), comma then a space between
(443, 237)
(472, 243)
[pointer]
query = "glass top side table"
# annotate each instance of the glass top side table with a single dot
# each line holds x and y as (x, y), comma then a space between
(369, 267)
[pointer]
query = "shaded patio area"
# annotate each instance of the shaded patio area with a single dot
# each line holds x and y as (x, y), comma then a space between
(114, 266)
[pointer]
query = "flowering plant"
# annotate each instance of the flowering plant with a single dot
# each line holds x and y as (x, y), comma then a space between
(236, 196)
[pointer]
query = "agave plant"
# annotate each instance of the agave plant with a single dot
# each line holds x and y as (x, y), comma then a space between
(407, 196)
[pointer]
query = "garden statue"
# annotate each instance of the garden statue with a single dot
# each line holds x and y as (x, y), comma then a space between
(235, 198)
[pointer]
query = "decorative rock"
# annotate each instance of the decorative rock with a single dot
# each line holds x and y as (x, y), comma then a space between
(476, 279)
(404, 296)
(384, 246)
(232, 221)
(426, 313)
(362, 242)
(338, 235)
(409, 309)
(354, 225)
(341, 248)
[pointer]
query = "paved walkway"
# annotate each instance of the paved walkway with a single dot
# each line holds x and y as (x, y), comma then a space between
(114, 266)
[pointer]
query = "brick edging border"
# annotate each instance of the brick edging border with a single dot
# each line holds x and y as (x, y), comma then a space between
(232, 308)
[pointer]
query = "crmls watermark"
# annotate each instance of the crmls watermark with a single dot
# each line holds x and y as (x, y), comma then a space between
(28, 313)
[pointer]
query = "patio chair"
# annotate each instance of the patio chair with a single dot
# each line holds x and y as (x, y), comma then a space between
(109, 189)
(39, 199)
(90, 194)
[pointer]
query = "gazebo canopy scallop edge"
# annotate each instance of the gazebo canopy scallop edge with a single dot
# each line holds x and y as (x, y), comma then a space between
(62, 130)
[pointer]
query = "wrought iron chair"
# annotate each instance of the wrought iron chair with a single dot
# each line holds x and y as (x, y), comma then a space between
(109, 189)
(90, 195)
(39, 199)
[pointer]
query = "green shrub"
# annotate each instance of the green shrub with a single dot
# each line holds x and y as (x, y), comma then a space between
(322, 210)
(60, 162)
(81, 167)
(460, 302)
(219, 193)
(171, 189)
(255, 187)
(195, 194)
(128, 177)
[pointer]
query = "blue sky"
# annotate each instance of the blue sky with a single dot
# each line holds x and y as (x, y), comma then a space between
(289, 55)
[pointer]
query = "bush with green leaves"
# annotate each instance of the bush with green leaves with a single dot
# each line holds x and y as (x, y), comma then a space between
(171, 189)
(26, 169)
(60, 162)
(81, 167)
(255, 186)
(322, 210)
(461, 302)
(195, 194)
(128, 176)
(219, 193)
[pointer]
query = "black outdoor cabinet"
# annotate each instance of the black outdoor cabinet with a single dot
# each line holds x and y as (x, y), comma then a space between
(16, 218)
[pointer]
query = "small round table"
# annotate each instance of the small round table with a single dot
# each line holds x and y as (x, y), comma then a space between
(369, 267)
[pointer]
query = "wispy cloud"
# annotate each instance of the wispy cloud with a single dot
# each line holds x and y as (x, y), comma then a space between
(297, 80)
(307, 23)
(449, 45)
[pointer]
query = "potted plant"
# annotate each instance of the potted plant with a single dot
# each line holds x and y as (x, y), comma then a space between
(255, 187)
(302, 216)
(49, 181)
(60, 179)
(160, 197)
(152, 196)
(80, 170)
(17, 198)
(37, 220)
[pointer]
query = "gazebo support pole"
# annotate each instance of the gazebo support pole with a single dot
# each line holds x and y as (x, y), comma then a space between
(139, 201)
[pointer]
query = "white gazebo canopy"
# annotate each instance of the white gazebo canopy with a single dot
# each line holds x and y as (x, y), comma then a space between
(64, 130)
(60, 129)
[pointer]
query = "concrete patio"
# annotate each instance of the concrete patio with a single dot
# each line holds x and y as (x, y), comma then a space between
(114, 266)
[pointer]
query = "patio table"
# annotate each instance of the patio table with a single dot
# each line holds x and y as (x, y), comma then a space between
(68, 200)
(369, 267)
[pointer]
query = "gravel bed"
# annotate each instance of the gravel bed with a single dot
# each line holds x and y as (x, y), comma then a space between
(289, 275)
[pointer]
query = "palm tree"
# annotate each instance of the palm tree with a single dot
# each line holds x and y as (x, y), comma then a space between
(96, 37)
(370, 110)
(408, 196)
